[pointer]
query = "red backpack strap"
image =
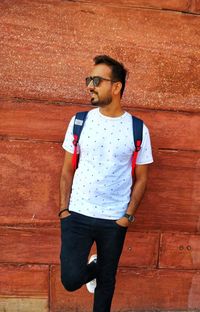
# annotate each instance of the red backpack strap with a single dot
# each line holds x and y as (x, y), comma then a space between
(75, 154)
(137, 134)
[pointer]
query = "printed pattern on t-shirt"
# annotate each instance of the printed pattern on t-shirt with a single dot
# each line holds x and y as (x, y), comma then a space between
(102, 182)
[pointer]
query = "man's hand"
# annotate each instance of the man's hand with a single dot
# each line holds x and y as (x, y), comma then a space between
(123, 222)
(65, 214)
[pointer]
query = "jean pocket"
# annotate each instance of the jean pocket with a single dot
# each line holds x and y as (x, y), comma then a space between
(65, 218)
(119, 226)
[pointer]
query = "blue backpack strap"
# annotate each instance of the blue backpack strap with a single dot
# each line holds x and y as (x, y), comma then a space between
(138, 134)
(77, 129)
(79, 123)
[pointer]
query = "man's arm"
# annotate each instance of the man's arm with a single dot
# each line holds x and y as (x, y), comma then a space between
(141, 174)
(66, 180)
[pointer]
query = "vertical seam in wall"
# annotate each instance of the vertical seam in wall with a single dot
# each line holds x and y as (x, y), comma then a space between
(159, 248)
(49, 289)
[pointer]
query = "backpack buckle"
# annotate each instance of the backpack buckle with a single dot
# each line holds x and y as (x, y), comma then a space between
(138, 146)
(75, 142)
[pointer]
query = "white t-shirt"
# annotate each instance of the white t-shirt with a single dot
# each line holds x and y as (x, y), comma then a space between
(102, 182)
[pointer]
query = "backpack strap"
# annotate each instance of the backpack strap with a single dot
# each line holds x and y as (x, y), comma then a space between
(137, 134)
(77, 129)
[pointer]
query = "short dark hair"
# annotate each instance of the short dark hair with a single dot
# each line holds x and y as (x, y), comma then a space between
(119, 72)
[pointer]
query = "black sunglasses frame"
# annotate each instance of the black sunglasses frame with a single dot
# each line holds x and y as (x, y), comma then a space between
(96, 80)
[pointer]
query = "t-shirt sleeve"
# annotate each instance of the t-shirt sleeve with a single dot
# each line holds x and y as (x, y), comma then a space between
(68, 141)
(145, 154)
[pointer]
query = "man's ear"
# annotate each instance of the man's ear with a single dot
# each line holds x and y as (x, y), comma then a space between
(117, 87)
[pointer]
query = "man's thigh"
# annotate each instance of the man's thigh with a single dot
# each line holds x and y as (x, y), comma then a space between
(76, 241)
(110, 240)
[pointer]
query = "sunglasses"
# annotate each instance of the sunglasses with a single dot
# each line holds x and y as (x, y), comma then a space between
(96, 80)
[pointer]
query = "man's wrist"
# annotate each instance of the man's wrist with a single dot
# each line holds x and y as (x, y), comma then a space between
(129, 217)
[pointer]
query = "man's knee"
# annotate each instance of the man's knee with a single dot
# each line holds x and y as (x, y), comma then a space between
(71, 282)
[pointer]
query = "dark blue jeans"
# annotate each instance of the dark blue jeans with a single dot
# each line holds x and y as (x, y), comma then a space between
(78, 233)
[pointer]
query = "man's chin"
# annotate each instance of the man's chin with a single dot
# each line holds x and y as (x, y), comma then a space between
(94, 103)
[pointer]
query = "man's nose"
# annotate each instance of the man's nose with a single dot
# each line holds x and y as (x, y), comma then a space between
(91, 85)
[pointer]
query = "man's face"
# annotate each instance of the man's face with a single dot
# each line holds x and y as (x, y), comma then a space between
(101, 95)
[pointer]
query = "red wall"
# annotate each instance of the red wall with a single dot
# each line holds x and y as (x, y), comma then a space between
(46, 50)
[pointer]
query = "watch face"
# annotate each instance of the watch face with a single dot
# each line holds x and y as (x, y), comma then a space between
(129, 217)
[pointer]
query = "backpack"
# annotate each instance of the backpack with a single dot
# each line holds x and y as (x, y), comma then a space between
(78, 126)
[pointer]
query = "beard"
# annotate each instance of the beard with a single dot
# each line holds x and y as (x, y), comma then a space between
(95, 101)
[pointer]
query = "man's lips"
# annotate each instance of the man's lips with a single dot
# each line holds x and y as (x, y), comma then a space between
(92, 93)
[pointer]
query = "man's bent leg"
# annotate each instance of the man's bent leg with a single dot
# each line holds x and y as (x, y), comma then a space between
(110, 240)
(76, 242)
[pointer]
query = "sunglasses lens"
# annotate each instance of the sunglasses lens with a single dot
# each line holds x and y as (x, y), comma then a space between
(96, 81)
(88, 80)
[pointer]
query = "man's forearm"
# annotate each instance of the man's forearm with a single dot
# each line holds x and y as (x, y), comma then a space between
(136, 196)
(65, 190)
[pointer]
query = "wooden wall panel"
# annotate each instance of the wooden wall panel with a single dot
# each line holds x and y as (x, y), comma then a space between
(42, 245)
(10, 304)
(169, 130)
(32, 172)
(24, 280)
(176, 5)
(32, 245)
(45, 55)
(46, 50)
(30, 181)
(24, 288)
(195, 6)
(180, 251)
(33, 120)
(136, 290)
(172, 199)
(140, 250)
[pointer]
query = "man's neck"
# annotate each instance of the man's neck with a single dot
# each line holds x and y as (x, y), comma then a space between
(112, 110)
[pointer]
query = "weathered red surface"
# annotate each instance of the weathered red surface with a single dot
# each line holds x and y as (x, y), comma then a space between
(46, 55)
(32, 245)
(32, 170)
(195, 6)
(177, 5)
(30, 181)
(42, 245)
(136, 290)
(179, 250)
(46, 51)
(48, 122)
(24, 280)
(172, 199)
(24, 287)
(140, 250)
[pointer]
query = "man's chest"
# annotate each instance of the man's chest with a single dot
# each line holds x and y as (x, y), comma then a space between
(107, 141)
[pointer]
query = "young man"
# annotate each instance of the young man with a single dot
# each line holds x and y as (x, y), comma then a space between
(98, 201)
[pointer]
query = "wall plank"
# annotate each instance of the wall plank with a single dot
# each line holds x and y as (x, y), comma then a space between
(169, 130)
(32, 172)
(195, 6)
(8, 304)
(42, 245)
(140, 250)
(24, 288)
(180, 250)
(32, 245)
(177, 5)
(136, 290)
(44, 54)
(24, 280)
(172, 199)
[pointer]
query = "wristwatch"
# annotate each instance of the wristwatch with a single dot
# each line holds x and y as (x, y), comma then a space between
(129, 217)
